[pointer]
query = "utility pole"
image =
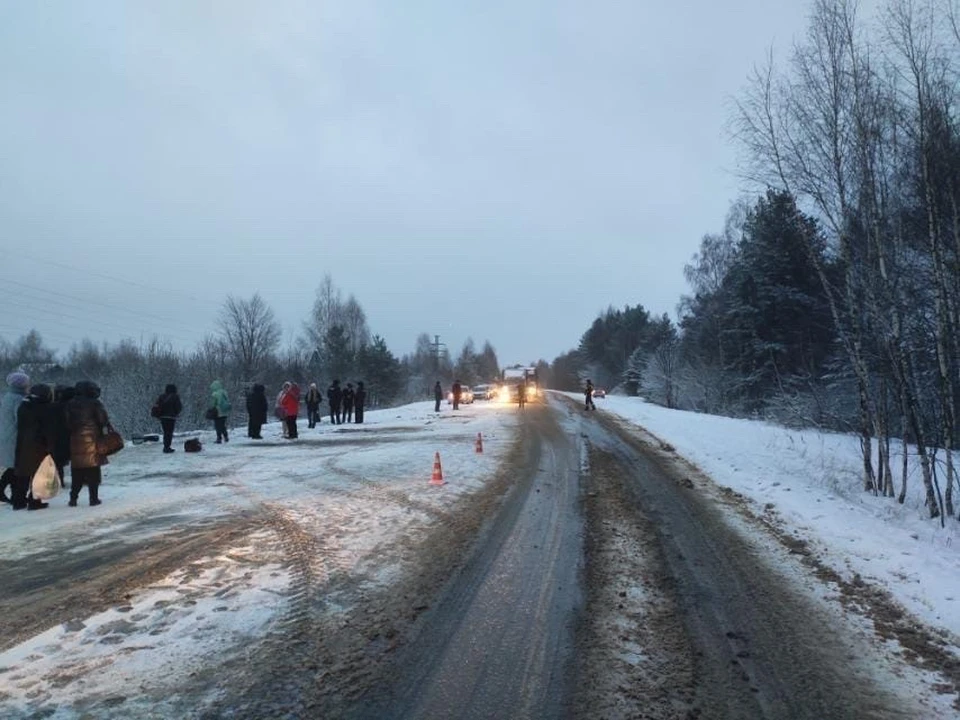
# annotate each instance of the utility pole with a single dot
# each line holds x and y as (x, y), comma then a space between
(438, 348)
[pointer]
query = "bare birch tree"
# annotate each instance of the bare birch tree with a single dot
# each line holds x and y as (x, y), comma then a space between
(250, 333)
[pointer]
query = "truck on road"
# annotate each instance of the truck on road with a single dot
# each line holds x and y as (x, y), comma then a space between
(512, 377)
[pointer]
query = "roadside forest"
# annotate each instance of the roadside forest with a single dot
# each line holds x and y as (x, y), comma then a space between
(831, 298)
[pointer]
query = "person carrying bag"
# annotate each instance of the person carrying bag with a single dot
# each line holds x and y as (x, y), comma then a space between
(88, 422)
(36, 443)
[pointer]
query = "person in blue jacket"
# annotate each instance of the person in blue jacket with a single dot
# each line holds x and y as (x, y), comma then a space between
(18, 384)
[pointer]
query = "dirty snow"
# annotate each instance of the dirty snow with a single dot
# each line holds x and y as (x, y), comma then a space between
(140, 654)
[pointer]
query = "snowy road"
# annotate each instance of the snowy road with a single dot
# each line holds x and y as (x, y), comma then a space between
(573, 569)
(757, 645)
(500, 641)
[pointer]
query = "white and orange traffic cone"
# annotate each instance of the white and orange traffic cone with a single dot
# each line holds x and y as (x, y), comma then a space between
(479, 447)
(437, 477)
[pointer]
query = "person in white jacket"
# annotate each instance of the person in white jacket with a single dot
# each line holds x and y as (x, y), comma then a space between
(18, 384)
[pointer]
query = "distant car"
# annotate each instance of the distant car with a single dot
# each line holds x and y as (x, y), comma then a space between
(466, 396)
(484, 392)
(599, 393)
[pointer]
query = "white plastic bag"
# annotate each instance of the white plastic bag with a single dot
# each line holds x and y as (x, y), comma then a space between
(46, 481)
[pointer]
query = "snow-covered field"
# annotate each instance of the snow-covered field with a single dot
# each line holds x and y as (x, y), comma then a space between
(813, 481)
(357, 487)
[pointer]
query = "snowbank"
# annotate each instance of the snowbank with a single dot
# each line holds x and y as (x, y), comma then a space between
(814, 482)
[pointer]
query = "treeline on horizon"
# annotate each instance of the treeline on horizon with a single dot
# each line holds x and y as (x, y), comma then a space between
(832, 299)
(244, 349)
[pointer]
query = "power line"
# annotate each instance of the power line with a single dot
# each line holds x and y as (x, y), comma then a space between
(96, 320)
(45, 291)
(29, 310)
(87, 271)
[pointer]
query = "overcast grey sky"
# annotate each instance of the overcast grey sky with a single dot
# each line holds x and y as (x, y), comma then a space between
(498, 169)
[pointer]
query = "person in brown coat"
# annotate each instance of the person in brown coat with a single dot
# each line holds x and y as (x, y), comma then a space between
(86, 418)
(36, 438)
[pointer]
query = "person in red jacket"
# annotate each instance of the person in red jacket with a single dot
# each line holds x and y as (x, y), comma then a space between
(291, 408)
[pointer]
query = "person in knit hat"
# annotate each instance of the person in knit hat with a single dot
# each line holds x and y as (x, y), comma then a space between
(18, 384)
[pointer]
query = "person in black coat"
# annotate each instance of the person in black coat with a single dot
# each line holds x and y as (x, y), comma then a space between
(348, 398)
(359, 399)
(256, 411)
(36, 438)
(168, 409)
(62, 394)
(335, 398)
(437, 396)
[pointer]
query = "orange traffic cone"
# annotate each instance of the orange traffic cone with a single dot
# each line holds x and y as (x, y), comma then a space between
(437, 477)
(479, 447)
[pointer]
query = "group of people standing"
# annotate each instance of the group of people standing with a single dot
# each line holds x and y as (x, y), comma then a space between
(63, 422)
(66, 422)
(456, 392)
(346, 404)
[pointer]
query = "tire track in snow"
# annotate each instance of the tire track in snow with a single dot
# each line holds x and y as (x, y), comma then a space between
(380, 490)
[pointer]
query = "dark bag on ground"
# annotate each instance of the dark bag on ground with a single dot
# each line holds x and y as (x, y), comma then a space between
(211, 414)
(192, 445)
(109, 443)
